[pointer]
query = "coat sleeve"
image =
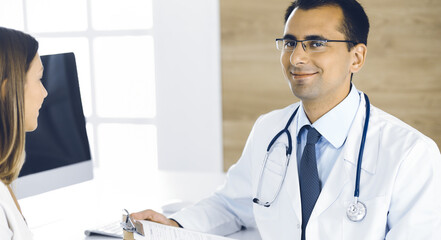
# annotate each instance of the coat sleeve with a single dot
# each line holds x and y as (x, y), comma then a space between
(230, 208)
(415, 208)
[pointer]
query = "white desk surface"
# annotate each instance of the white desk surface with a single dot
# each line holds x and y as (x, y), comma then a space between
(65, 213)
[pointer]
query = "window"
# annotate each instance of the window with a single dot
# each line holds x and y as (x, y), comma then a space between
(114, 48)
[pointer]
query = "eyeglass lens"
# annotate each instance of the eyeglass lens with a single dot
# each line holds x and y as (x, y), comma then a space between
(307, 45)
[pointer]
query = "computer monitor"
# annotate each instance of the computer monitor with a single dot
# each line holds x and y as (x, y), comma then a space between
(57, 152)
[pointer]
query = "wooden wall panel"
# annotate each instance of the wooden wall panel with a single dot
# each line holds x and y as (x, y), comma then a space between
(402, 74)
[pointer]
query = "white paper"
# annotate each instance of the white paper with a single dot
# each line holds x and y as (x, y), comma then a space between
(156, 231)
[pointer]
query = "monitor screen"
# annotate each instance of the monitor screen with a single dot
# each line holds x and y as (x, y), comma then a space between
(57, 152)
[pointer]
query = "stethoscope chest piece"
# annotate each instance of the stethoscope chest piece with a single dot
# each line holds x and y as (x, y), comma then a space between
(356, 211)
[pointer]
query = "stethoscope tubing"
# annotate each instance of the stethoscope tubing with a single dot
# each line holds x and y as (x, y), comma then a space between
(289, 151)
(288, 134)
(363, 141)
(288, 155)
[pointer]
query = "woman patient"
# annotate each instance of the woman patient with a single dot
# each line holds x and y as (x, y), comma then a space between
(21, 97)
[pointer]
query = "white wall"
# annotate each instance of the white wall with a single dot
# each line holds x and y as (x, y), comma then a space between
(188, 87)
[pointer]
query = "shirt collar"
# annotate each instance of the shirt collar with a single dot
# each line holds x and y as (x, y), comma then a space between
(334, 125)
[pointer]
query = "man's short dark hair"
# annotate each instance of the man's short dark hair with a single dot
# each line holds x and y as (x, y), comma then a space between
(355, 24)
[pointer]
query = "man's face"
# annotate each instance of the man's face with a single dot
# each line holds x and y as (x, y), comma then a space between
(319, 77)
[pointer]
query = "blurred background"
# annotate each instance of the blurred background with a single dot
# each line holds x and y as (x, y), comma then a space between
(149, 74)
(178, 84)
(402, 73)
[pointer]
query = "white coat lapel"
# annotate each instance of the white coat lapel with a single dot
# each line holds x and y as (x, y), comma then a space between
(337, 180)
(344, 167)
(292, 176)
(369, 161)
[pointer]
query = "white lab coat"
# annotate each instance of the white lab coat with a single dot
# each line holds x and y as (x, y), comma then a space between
(400, 186)
(12, 224)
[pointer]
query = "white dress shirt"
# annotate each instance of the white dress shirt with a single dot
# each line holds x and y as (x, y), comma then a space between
(334, 127)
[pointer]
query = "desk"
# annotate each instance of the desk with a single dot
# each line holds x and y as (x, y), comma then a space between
(65, 213)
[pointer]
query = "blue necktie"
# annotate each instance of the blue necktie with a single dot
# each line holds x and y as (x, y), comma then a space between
(308, 177)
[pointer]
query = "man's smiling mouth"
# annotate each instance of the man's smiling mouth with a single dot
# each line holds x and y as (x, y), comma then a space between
(303, 74)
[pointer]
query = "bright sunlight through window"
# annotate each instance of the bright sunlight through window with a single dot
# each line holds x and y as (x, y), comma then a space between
(114, 49)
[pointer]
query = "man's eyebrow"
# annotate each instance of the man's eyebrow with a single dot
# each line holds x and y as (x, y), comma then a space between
(315, 37)
(309, 37)
(289, 37)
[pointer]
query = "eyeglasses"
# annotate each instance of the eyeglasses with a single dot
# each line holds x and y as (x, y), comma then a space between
(288, 45)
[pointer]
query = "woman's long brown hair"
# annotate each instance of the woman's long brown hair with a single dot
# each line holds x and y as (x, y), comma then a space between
(17, 50)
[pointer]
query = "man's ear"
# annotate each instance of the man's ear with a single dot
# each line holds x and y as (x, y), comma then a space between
(359, 56)
(3, 88)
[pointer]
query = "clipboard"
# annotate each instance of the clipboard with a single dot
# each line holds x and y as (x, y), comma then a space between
(159, 231)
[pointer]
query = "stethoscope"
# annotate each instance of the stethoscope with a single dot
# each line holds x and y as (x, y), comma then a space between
(356, 210)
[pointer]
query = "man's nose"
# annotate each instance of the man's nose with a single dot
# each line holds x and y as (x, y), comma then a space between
(298, 55)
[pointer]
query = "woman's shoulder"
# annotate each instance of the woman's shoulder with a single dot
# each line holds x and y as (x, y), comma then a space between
(5, 231)
(4, 193)
(12, 224)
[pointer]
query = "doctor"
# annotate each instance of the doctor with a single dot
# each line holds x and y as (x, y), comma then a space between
(314, 193)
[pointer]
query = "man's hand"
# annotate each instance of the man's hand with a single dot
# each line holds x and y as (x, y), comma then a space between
(153, 216)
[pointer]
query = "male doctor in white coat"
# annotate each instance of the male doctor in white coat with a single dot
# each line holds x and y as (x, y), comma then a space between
(400, 177)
